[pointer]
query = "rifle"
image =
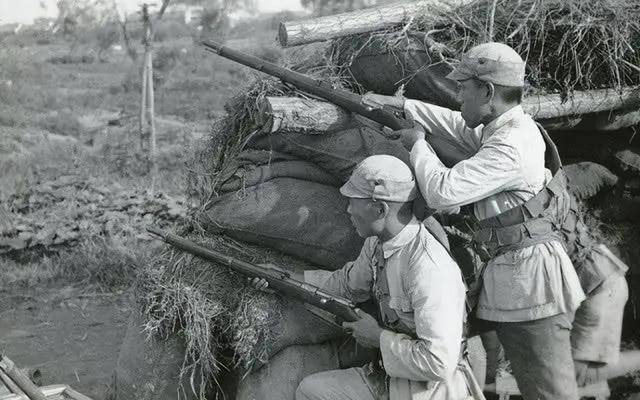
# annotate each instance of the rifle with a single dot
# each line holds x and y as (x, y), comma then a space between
(281, 281)
(343, 98)
(447, 149)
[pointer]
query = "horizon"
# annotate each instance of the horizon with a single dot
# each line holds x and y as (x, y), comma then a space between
(27, 11)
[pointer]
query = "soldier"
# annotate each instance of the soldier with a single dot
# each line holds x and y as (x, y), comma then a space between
(419, 292)
(530, 289)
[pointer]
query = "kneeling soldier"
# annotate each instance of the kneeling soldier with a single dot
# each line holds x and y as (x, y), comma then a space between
(419, 292)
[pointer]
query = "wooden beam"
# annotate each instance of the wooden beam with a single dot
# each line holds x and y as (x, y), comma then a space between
(295, 33)
(579, 103)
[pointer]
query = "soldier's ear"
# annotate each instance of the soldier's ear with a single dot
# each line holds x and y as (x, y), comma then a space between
(383, 209)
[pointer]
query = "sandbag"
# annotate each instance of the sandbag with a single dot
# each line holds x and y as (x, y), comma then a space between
(337, 153)
(297, 326)
(301, 218)
(149, 370)
(251, 175)
(383, 62)
(280, 378)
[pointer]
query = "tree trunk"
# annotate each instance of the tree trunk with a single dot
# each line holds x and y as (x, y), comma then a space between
(153, 152)
(147, 103)
(592, 101)
(297, 115)
(295, 33)
(143, 106)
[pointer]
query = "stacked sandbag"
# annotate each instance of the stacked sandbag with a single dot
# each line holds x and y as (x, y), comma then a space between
(383, 62)
(282, 192)
(298, 217)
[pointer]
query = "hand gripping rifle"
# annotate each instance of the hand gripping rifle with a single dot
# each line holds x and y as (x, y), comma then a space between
(281, 281)
(448, 149)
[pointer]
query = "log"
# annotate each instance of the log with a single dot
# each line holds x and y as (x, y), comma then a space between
(298, 115)
(48, 391)
(602, 109)
(11, 385)
(21, 380)
(295, 33)
(579, 103)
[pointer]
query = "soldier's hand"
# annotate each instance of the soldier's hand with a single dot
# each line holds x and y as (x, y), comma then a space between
(374, 101)
(366, 330)
(260, 284)
(410, 136)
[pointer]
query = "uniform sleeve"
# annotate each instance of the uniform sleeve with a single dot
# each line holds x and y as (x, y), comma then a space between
(443, 123)
(494, 168)
(355, 279)
(437, 298)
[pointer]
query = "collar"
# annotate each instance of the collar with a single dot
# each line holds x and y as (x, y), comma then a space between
(407, 234)
(513, 113)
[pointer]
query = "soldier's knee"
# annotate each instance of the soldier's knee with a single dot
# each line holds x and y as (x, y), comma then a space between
(309, 388)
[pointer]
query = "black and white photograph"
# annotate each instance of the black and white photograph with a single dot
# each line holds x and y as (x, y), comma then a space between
(319, 199)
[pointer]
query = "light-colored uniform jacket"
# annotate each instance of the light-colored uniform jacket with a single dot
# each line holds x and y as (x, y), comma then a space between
(427, 292)
(505, 168)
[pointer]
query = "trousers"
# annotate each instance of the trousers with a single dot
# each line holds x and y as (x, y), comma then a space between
(540, 356)
(347, 384)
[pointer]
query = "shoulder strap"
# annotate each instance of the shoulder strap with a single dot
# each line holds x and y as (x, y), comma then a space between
(553, 156)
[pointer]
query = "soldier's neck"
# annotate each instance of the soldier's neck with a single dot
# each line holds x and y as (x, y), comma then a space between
(394, 226)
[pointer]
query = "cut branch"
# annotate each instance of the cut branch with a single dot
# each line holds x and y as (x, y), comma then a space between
(294, 114)
(295, 33)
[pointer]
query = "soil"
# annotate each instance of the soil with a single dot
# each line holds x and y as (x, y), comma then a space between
(71, 336)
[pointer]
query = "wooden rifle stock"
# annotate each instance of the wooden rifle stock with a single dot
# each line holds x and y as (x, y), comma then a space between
(281, 281)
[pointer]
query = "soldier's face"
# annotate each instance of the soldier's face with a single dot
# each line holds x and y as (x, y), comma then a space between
(366, 216)
(475, 98)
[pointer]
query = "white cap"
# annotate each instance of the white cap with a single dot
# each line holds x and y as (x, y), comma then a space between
(381, 177)
(491, 62)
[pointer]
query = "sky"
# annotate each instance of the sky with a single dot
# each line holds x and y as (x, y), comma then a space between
(25, 11)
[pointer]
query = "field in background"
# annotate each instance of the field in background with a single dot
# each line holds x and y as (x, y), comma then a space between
(70, 114)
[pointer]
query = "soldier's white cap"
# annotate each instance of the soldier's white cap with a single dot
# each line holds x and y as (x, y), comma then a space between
(381, 177)
(491, 62)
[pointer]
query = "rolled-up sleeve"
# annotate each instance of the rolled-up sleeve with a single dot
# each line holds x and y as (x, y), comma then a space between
(437, 298)
(355, 279)
(494, 168)
(446, 129)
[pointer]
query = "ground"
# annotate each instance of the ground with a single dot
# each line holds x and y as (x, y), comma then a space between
(69, 116)
(72, 337)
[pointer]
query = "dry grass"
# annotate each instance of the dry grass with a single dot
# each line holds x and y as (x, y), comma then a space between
(224, 322)
(229, 135)
(568, 45)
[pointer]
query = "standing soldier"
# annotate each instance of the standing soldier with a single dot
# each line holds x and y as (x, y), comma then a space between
(530, 290)
(419, 292)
